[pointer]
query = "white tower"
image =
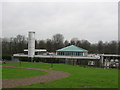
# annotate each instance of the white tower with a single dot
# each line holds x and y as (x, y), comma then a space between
(31, 44)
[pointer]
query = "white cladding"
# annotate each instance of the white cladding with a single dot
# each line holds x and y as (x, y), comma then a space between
(37, 50)
(31, 44)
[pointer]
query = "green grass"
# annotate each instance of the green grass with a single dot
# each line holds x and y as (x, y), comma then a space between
(80, 77)
(9, 73)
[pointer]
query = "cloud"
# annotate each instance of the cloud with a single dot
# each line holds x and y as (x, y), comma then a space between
(91, 21)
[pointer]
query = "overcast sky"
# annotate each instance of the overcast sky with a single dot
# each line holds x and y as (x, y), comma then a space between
(92, 21)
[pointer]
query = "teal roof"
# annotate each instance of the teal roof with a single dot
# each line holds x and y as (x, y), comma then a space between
(72, 48)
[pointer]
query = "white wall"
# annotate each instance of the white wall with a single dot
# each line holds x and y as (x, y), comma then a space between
(31, 44)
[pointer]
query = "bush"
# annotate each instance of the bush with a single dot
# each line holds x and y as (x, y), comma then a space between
(39, 59)
(7, 57)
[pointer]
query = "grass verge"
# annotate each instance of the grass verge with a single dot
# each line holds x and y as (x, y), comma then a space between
(80, 77)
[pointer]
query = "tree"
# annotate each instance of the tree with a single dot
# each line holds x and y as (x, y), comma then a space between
(49, 45)
(93, 48)
(13, 45)
(106, 48)
(17, 44)
(20, 43)
(74, 41)
(57, 41)
(119, 47)
(85, 44)
(100, 47)
(5, 46)
(41, 44)
(66, 43)
(113, 47)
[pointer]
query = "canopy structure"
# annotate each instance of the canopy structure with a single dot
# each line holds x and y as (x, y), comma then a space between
(72, 50)
(36, 51)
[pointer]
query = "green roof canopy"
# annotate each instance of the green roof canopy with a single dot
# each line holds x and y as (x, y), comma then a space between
(72, 48)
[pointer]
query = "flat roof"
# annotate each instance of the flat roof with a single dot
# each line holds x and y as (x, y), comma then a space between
(58, 56)
(37, 50)
(110, 55)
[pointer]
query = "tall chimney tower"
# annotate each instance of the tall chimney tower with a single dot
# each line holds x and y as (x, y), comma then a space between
(31, 44)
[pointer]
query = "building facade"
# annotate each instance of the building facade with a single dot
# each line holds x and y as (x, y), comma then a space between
(72, 50)
(36, 51)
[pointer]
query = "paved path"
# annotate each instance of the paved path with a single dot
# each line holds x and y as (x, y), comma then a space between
(51, 76)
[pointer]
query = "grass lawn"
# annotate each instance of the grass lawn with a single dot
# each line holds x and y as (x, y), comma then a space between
(80, 77)
(9, 73)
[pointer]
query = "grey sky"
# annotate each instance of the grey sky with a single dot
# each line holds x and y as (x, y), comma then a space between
(84, 20)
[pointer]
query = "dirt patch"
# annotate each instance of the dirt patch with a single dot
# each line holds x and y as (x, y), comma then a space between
(51, 76)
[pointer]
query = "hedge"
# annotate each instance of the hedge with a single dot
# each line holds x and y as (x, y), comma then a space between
(40, 59)
(7, 57)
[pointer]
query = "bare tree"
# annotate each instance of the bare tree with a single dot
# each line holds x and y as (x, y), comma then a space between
(100, 47)
(119, 47)
(42, 44)
(49, 45)
(113, 47)
(74, 41)
(57, 40)
(66, 43)
(17, 44)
